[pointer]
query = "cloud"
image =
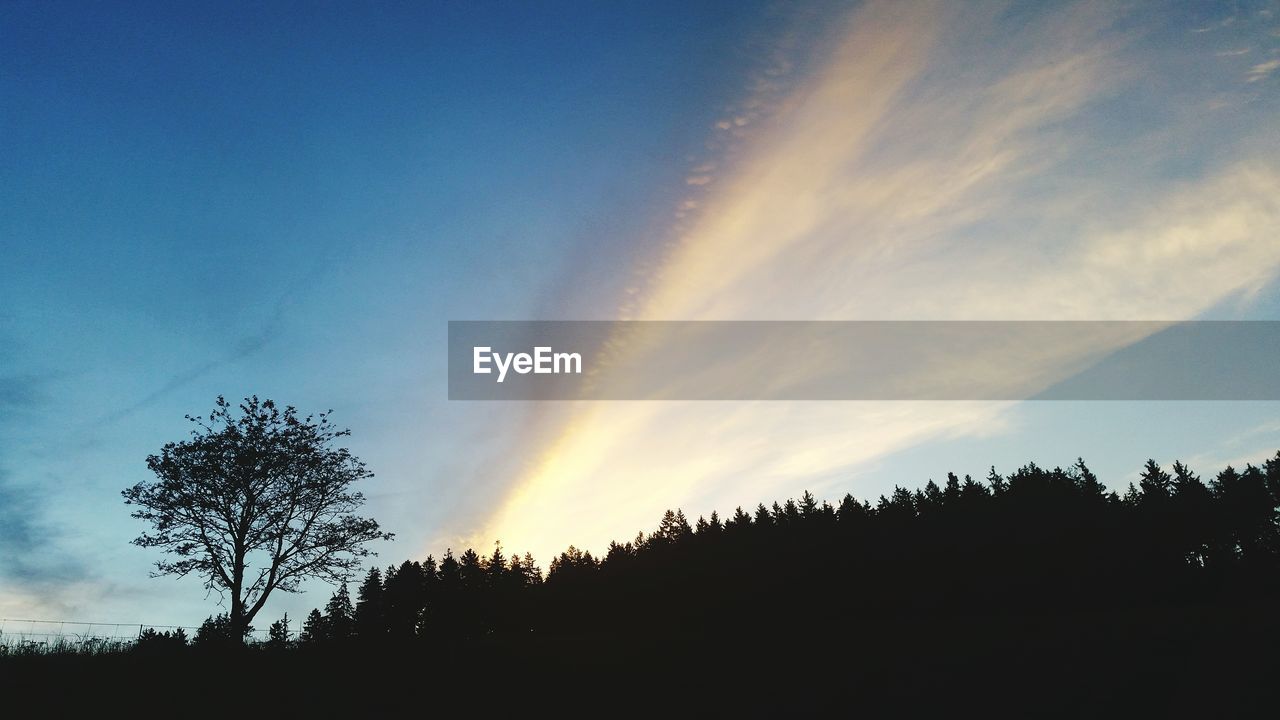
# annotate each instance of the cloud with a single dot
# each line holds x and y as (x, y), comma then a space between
(30, 557)
(19, 535)
(26, 542)
(939, 165)
(1262, 71)
(244, 347)
(1223, 23)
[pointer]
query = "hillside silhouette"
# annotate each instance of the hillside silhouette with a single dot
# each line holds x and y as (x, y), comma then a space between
(1039, 592)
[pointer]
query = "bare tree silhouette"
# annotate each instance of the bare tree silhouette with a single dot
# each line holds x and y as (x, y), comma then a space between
(255, 503)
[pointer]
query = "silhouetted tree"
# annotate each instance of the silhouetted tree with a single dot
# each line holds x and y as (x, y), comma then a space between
(404, 598)
(673, 528)
(339, 615)
(532, 573)
(153, 642)
(314, 629)
(1155, 483)
(762, 516)
(278, 633)
(218, 631)
(370, 620)
(255, 503)
(996, 481)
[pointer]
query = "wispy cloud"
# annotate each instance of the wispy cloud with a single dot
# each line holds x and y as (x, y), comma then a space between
(246, 346)
(26, 552)
(30, 558)
(1262, 71)
(940, 165)
(1216, 25)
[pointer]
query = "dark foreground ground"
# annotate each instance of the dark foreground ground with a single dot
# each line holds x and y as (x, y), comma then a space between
(1199, 661)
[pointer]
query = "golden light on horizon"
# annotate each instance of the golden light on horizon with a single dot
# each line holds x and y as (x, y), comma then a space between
(858, 197)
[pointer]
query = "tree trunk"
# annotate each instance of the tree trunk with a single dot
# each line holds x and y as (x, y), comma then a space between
(236, 624)
(236, 621)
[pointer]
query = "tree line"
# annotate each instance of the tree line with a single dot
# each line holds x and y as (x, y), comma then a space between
(1038, 539)
(1038, 592)
(261, 498)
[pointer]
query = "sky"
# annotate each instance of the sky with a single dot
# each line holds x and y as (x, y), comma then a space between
(293, 200)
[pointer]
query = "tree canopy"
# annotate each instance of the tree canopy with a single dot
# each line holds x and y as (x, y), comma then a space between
(255, 502)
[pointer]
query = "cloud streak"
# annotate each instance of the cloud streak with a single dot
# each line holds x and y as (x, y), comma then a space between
(1262, 71)
(940, 165)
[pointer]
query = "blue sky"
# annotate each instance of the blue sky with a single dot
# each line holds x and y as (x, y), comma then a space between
(292, 200)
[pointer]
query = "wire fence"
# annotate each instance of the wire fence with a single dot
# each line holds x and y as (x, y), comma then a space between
(23, 634)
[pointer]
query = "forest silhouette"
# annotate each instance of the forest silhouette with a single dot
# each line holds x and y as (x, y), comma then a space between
(1040, 590)
(1036, 539)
